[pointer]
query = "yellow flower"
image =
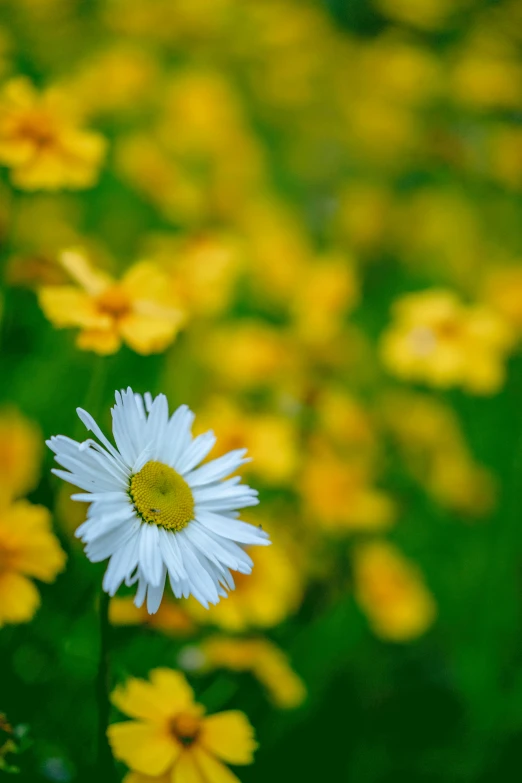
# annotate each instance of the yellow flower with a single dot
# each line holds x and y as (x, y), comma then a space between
(458, 483)
(271, 439)
(339, 496)
(20, 454)
(325, 293)
(268, 596)
(119, 79)
(248, 353)
(436, 339)
(41, 142)
(430, 440)
(346, 423)
(426, 14)
(502, 290)
(170, 617)
(488, 74)
(28, 549)
(137, 310)
(202, 269)
(259, 656)
(391, 592)
(170, 739)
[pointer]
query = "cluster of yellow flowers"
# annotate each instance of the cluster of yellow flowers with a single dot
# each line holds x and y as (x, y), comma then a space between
(28, 548)
(274, 285)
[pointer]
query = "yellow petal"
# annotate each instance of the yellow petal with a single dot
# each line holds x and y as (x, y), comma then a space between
(186, 770)
(147, 334)
(38, 552)
(138, 777)
(145, 281)
(173, 688)
(143, 747)
(212, 770)
(19, 598)
(102, 342)
(92, 280)
(140, 699)
(66, 306)
(230, 736)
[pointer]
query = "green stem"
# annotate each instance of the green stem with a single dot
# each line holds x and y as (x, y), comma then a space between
(106, 768)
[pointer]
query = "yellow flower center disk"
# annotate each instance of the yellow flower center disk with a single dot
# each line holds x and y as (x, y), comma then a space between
(114, 302)
(162, 497)
(185, 728)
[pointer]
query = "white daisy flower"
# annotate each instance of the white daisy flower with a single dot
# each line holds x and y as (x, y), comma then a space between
(153, 512)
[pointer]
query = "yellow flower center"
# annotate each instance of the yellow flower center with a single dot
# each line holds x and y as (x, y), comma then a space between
(185, 728)
(37, 128)
(114, 302)
(161, 496)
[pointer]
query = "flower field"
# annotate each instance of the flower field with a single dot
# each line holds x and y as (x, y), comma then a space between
(261, 390)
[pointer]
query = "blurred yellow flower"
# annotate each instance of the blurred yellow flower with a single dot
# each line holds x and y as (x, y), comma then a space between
(170, 739)
(28, 549)
(338, 494)
(116, 80)
(20, 454)
(488, 75)
(502, 290)
(430, 440)
(326, 292)
(392, 593)
(271, 438)
(137, 310)
(42, 142)
(343, 419)
(203, 269)
(399, 69)
(170, 617)
(436, 339)
(259, 656)
(268, 596)
(248, 353)
(425, 14)
(149, 169)
(458, 483)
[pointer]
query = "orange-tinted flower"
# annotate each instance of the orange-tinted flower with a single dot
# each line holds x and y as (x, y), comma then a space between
(392, 593)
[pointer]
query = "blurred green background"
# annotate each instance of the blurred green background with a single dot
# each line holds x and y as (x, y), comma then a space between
(294, 170)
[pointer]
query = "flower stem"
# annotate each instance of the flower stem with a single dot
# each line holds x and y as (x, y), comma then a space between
(105, 761)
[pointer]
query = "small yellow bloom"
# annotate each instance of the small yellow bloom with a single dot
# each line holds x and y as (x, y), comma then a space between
(338, 495)
(20, 454)
(28, 549)
(391, 592)
(271, 439)
(170, 738)
(263, 599)
(327, 291)
(119, 79)
(502, 290)
(136, 310)
(432, 444)
(249, 353)
(259, 656)
(436, 339)
(425, 14)
(41, 142)
(203, 269)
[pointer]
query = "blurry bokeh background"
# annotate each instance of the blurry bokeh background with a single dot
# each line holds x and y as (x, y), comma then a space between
(329, 195)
